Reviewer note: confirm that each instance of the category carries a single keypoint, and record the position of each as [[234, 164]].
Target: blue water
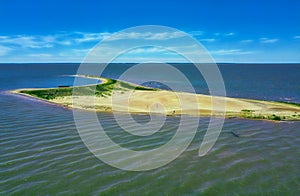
[[42, 154]]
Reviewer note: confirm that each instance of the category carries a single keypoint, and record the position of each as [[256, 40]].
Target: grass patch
[[274, 117], [290, 103], [251, 115], [247, 111], [102, 90], [49, 93]]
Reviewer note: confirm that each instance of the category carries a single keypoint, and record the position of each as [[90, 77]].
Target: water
[[42, 153]]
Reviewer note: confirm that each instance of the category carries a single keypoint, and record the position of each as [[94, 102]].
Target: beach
[[127, 97]]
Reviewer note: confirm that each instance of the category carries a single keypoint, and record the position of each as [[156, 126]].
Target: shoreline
[[124, 97]]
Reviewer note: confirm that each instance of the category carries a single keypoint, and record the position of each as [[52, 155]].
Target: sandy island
[[119, 96]]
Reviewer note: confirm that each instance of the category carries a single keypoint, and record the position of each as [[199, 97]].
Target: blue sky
[[232, 31]]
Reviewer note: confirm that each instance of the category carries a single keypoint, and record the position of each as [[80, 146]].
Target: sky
[[233, 31]]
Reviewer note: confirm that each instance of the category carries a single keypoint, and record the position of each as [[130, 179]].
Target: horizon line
[[150, 62]]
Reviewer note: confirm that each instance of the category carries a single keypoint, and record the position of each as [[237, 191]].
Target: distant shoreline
[[119, 96], [219, 63]]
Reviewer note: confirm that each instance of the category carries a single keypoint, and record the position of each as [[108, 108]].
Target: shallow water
[[42, 153]]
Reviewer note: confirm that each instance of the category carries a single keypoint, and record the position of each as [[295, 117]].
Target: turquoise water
[[41, 152]]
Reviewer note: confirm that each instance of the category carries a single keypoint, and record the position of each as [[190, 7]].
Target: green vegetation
[[250, 114], [248, 111], [274, 117], [49, 93], [245, 113], [263, 117], [102, 90], [135, 87], [290, 103]]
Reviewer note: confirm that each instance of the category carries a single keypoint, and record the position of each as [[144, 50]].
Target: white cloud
[[94, 37], [4, 50], [230, 52], [267, 40], [47, 38], [147, 35], [224, 34], [91, 37], [74, 46], [66, 43], [247, 41], [147, 50], [44, 41], [229, 34], [3, 37], [40, 55], [207, 40], [27, 41], [75, 39], [196, 33]]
